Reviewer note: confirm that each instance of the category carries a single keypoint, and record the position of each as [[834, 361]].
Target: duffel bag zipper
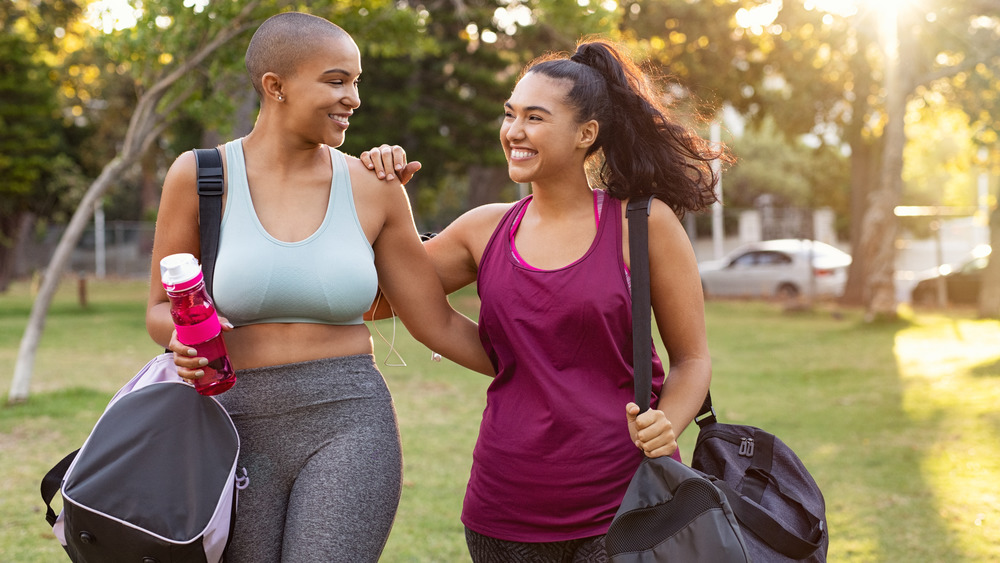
[[746, 444]]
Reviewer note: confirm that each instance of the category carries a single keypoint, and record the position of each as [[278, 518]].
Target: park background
[[851, 107]]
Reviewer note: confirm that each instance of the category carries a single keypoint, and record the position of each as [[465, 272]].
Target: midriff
[[270, 344]]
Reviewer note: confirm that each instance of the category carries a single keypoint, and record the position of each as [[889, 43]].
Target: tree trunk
[[989, 290], [149, 194], [148, 121], [10, 237], [878, 229], [486, 183], [864, 176], [50, 281]]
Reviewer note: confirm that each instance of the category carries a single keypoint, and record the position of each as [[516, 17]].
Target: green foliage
[[695, 46], [793, 173], [442, 100], [938, 167], [28, 119], [35, 171]]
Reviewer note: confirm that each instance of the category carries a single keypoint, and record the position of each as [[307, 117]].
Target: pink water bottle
[[197, 322]]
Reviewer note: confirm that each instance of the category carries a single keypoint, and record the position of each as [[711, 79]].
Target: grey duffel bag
[[156, 479], [673, 513]]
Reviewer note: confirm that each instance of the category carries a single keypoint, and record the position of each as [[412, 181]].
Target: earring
[[281, 98]]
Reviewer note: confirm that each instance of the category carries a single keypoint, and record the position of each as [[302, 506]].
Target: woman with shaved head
[[307, 236]]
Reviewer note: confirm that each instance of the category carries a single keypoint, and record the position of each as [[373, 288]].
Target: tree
[[32, 138], [179, 56], [444, 101], [836, 75], [794, 173]]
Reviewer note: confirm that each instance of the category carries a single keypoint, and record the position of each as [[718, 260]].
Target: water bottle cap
[[179, 269]]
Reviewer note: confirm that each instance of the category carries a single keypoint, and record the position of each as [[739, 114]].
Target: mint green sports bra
[[327, 278]]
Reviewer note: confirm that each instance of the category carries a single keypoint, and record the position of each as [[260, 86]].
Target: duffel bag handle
[[758, 521], [51, 483]]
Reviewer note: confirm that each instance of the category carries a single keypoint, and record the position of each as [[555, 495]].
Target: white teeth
[[521, 154], [339, 119]]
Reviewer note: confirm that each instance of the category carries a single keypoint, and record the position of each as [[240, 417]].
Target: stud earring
[[281, 98]]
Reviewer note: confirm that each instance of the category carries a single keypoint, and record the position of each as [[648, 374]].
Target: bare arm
[[176, 231], [409, 280]]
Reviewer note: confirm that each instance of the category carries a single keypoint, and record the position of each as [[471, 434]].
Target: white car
[[777, 268]]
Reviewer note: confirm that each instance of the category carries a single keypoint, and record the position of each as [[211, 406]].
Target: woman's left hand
[[387, 160], [651, 431]]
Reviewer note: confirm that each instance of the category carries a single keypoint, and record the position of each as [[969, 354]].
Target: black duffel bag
[[778, 504]]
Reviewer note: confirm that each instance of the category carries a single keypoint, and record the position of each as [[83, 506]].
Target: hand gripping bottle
[[197, 323]]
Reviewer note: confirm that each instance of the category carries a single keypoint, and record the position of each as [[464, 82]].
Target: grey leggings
[[321, 447]]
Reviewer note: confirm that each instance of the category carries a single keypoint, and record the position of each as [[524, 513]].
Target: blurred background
[[867, 125]]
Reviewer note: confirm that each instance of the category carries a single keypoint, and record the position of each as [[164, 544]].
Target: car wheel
[[787, 292]]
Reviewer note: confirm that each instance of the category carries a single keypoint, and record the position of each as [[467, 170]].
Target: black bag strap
[[51, 483], [748, 514], [637, 213], [706, 415], [210, 184], [754, 518]]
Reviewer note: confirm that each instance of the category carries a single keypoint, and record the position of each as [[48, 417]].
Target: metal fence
[[121, 249]]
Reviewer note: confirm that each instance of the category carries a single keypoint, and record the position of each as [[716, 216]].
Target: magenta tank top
[[554, 458]]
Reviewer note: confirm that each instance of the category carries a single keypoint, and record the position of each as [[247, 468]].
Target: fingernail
[[199, 373], [203, 362], [399, 167], [230, 325], [192, 352], [391, 177], [381, 175]]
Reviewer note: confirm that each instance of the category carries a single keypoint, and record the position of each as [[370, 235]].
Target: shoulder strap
[[637, 213], [210, 182]]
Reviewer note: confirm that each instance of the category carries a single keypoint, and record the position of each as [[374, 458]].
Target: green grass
[[897, 422]]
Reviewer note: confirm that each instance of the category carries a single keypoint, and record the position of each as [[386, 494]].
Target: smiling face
[[322, 93], [540, 134]]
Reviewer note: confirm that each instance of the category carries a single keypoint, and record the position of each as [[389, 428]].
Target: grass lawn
[[897, 422]]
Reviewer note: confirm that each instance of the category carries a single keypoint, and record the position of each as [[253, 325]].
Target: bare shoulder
[[484, 217], [475, 227], [181, 182], [663, 222], [367, 183]]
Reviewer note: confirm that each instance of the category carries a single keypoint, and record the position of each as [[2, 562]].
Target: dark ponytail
[[644, 151]]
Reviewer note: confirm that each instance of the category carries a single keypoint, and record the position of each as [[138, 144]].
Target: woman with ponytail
[[560, 436]]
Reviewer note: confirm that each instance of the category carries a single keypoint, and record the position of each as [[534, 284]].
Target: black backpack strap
[[51, 484], [210, 185], [637, 213], [706, 415]]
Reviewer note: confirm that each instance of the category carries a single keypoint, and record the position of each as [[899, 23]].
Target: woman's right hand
[[386, 160], [186, 358]]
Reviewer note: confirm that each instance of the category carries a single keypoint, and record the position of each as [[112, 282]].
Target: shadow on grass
[[988, 369]]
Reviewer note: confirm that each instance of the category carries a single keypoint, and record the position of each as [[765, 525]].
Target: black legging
[[485, 549]]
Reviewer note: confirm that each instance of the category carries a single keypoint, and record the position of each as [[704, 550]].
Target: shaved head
[[283, 41]]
